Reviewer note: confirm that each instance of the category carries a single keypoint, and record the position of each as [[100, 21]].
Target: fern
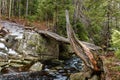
[[116, 42]]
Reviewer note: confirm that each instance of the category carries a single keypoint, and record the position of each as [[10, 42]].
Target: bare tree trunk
[[93, 63], [56, 18], [26, 8], [108, 35], [19, 11], [0, 8], [4, 7], [10, 8], [107, 29], [79, 16]]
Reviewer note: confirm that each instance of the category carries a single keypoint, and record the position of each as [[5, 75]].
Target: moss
[[116, 68], [31, 43], [40, 49], [77, 76]]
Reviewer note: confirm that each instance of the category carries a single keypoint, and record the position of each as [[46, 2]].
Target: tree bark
[[19, 11], [10, 8], [27, 8], [93, 62], [65, 40], [0, 8]]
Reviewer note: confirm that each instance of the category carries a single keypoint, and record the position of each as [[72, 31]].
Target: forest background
[[95, 21]]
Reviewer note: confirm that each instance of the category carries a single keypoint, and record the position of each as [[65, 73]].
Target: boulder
[[81, 76], [36, 67], [3, 31], [36, 45], [10, 41], [76, 76]]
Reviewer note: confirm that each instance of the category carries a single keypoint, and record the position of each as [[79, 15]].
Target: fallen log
[[66, 40], [29, 28], [94, 66]]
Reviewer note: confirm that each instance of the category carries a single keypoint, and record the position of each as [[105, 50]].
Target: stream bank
[[26, 52]]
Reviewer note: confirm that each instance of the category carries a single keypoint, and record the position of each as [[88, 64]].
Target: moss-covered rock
[[77, 76], [35, 44], [81, 76], [36, 67]]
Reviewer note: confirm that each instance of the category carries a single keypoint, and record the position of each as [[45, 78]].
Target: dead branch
[[65, 40], [92, 61]]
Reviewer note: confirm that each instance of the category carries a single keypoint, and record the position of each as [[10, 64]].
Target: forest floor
[[113, 66], [27, 23], [112, 63]]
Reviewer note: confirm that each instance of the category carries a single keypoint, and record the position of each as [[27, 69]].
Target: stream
[[50, 71]]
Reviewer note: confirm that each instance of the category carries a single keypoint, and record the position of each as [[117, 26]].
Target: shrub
[[116, 42]]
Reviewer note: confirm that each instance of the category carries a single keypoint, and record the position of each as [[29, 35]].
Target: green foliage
[[116, 42], [116, 68], [96, 12], [59, 14], [80, 31], [32, 18], [31, 43], [45, 9], [53, 12]]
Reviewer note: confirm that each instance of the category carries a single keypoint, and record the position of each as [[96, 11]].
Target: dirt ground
[[27, 23], [113, 65]]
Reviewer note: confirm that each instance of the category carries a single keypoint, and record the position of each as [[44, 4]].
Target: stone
[[3, 31], [34, 44], [3, 56], [10, 41], [77, 76], [36, 67], [81, 76]]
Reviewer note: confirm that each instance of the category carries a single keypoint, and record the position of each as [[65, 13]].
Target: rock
[[3, 63], [3, 48], [12, 52], [36, 67], [10, 41], [3, 31], [77, 76], [34, 44], [21, 52], [3, 56], [81, 76]]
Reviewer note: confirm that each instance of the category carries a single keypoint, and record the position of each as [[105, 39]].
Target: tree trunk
[[93, 62], [10, 8], [65, 40], [79, 16], [19, 11], [4, 5], [27, 8], [0, 8]]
